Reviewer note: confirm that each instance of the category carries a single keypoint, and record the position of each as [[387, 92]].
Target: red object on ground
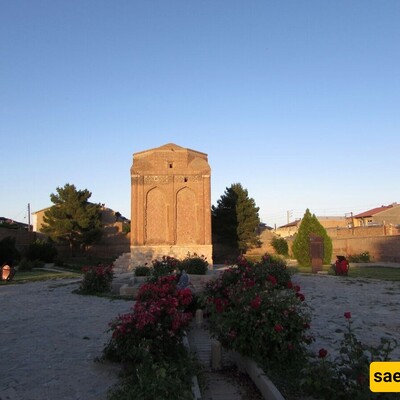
[[5, 272], [342, 267]]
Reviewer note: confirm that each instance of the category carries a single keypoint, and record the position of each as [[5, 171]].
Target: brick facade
[[380, 248], [170, 204]]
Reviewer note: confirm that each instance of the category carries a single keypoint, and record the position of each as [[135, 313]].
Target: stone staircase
[[122, 264], [124, 282]]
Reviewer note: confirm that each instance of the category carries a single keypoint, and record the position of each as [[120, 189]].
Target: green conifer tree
[[235, 218], [301, 244], [72, 219]]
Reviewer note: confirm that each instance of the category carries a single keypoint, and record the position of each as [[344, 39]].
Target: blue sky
[[299, 101]]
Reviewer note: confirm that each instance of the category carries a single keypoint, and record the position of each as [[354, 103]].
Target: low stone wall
[[140, 255], [266, 387]]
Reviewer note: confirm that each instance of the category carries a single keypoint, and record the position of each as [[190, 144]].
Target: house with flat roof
[[327, 222]]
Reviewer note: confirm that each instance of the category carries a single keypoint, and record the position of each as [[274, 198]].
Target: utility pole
[[29, 217]]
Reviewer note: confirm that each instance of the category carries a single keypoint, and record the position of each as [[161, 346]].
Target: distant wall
[[111, 245], [102, 251], [381, 248], [364, 231], [22, 238]]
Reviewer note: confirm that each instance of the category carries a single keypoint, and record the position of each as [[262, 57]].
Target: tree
[[8, 252], [301, 244], [43, 250], [280, 245], [72, 219], [235, 218]]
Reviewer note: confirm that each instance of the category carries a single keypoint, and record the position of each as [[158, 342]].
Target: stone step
[[128, 290], [122, 263]]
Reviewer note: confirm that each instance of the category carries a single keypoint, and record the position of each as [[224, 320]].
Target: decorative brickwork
[[170, 204]]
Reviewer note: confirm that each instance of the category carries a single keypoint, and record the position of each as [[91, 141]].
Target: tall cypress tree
[[72, 219], [235, 218], [301, 244]]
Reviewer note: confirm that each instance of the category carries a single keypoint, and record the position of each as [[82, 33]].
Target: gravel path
[[49, 340], [374, 307], [50, 337]]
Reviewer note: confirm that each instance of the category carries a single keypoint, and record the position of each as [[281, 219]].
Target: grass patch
[[77, 263], [308, 270], [40, 275], [375, 272]]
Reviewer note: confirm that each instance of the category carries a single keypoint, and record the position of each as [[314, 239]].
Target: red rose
[[322, 353], [347, 314], [256, 302], [272, 279], [278, 328]]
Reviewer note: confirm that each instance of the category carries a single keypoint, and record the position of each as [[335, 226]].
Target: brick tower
[[170, 204]]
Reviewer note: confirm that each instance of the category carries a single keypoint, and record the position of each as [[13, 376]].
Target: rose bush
[[96, 279], [149, 341], [346, 376], [167, 265], [194, 264], [156, 324], [256, 310]]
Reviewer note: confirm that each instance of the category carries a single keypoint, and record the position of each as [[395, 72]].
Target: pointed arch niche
[[156, 221], [186, 217]]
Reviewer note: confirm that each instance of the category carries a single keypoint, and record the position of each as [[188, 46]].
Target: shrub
[[248, 299], [8, 252], [41, 250], [142, 270], [126, 228], [96, 279], [346, 377], [301, 244], [28, 265], [360, 258], [165, 266], [169, 379], [59, 262], [194, 264], [156, 325], [275, 266], [149, 341], [25, 265], [280, 246]]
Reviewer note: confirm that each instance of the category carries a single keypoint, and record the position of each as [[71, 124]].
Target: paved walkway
[[217, 386], [50, 338]]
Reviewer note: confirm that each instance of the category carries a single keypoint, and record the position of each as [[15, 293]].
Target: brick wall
[[23, 238], [101, 251], [364, 231], [381, 248]]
